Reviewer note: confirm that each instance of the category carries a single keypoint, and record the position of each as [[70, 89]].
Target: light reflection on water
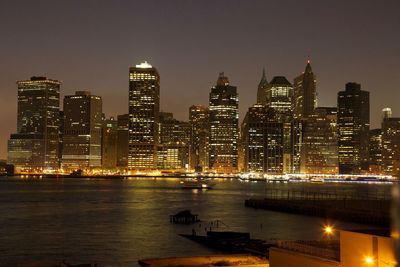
[[117, 222]]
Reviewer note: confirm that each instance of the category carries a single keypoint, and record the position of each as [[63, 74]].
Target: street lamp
[[369, 261], [328, 230]]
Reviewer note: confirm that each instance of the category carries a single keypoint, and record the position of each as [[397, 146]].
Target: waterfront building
[[109, 143], [82, 131], [173, 148], [355, 248], [199, 137], [223, 123], [144, 108], [391, 146], [262, 89], [122, 140], [319, 145], [304, 93], [375, 151], [279, 97], [262, 140], [353, 126], [35, 145]]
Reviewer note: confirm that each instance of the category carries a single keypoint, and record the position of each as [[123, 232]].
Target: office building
[[391, 146], [199, 137], [224, 119], [304, 93], [353, 125], [319, 146], [109, 143], [35, 145], [144, 108], [122, 140], [375, 151], [173, 148], [279, 97], [262, 140], [82, 131]]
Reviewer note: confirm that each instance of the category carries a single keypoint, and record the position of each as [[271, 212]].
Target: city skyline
[[105, 49]]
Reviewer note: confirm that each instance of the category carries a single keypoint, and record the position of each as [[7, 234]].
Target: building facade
[[82, 131], [375, 151], [391, 146], [223, 123], [262, 140], [279, 97], [353, 126], [319, 146], [304, 93], [122, 140], [173, 148], [36, 143], [199, 137], [109, 141], [144, 108]]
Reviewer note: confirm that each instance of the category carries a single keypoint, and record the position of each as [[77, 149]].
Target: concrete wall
[[355, 247], [285, 258]]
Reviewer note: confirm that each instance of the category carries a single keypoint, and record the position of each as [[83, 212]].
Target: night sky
[[89, 45]]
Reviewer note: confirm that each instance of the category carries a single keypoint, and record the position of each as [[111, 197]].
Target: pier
[[371, 208]]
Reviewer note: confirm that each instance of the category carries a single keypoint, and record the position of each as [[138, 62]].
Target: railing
[[306, 248], [324, 195]]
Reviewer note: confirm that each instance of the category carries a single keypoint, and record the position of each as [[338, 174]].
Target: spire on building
[[308, 67], [263, 81]]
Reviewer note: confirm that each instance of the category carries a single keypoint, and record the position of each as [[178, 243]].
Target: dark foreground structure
[[372, 210]]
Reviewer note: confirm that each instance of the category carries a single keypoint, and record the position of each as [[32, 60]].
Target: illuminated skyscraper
[[262, 139], [35, 145], [199, 135], [224, 119], [173, 148], [82, 131], [122, 140], [391, 146], [319, 146], [109, 143], [304, 93], [144, 108], [375, 151], [279, 97], [353, 125], [262, 89]]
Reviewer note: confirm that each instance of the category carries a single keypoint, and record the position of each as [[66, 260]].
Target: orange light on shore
[[368, 260], [328, 230]]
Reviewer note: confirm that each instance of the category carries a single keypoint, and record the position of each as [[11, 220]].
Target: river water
[[116, 222]]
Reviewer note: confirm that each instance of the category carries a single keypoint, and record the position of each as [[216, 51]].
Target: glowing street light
[[328, 230], [368, 260]]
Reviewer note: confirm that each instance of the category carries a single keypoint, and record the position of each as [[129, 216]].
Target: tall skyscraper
[[319, 146], [35, 145], [391, 145], [82, 131], [279, 97], [262, 89], [353, 125], [304, 93], [224, 119], [262, 139], [144, 108], [375, 151], [109, 143], [122, 140], [173, 148], [199, 137]]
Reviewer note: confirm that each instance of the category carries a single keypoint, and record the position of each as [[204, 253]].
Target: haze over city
[[91, 45]]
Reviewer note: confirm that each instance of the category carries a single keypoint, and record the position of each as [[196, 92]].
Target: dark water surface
[[117, 222]]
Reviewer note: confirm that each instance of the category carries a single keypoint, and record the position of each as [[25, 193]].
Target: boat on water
[[196, 184]]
